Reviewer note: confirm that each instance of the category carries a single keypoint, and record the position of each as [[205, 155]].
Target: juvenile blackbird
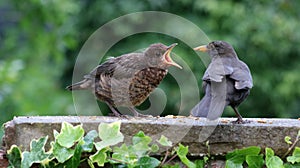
[[227, 81], [128, 80]]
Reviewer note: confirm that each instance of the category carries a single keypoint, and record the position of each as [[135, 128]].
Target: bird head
[[217, 48], [158, 55]]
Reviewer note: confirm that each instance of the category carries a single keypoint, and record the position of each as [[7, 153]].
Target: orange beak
[[167, 57], [202, 48]]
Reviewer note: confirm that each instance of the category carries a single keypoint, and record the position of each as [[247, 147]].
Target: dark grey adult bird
[[226, 81], [128, 80]]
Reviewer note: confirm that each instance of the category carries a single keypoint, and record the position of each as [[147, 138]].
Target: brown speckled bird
[[128, 80], [227, 81]]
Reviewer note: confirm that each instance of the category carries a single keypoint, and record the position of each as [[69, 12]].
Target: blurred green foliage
[[40, 39]]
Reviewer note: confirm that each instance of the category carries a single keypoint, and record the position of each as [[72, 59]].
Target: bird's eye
[[157, 54]]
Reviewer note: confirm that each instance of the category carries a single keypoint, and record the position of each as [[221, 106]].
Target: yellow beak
[[202, 48]]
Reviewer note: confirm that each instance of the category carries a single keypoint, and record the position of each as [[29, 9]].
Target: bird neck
[[227, 55]]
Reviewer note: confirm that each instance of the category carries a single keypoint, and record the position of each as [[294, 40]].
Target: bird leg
[[239, 117], [137, 114], [115, 111]]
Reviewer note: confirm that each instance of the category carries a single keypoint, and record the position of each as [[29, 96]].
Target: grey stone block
[[222, 135]]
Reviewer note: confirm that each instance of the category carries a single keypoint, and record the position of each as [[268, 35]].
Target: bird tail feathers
[[202, 108], [209, 107]]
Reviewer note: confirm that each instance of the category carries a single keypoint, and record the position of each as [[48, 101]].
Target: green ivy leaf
[[140, 137], [205, 159], [55, 134], [199, 163], [75, 160], [182, 151], [91, 164], [148, 162], [255, 161], [61, 153], [14, 156], [88, 141], [124, 154], [172, 166], [269, 153], [51, 165], [295, 158], [235, 162], [252, 150], [164, 141], [110, 135], [154, 148], [69, 134], [141, 143], [37, 152], [237, 157], [272, 161], [289, 165], [287, 139], [99, 157]]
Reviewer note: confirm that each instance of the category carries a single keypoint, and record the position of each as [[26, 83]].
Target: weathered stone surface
[[223, 136]]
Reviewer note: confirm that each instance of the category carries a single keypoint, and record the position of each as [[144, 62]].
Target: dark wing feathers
[[242, 76], [237, 71], [217, 70]]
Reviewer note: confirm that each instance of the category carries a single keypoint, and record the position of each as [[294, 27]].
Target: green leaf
[[252, 150], [55, 133], [140, 137], [272, 161], [37, 152], [235, 161], [164, 141], [199, 163], [141, 143], [255, 161], [171, 166], [287, 139], [269, 153], [91, 164], [237, 157], [124, 154], [69, 134], [61, 153], [99, 157], [88, 141], [75, 160], [289, 165], [295, 158], [14, 156], [205, 159], [182, 151], [110, 135], [154, 148], [148, 162]]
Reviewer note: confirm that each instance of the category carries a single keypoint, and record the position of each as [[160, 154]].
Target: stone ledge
[[223, 136]]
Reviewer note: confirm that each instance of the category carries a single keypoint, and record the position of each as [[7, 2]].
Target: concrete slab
[[223, 136]]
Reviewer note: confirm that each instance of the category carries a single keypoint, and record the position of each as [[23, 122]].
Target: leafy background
[[40, 39]]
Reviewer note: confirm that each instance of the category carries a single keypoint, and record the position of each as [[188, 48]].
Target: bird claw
[[125, 116], [240, 121], [142, 115]]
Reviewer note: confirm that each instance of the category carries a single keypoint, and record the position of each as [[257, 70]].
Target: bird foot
[[125, 116], [240, 121], [119, 115], [137, 114], [142, 115]]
